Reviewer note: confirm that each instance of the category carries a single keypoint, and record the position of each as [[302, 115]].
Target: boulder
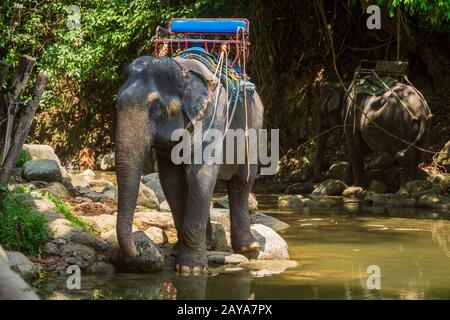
[[443, 159], [101, 223], [353, 192], [222, 257], [22, 265], [164, 206], [42, 170], [418, 186], [321, 202], [78, 254], [61, 227], [377, 187], [152, 181], [271, 222], [156, 235], [219, 239], [79, 181], [400, 201], [101, 268], [149, 259], [44, 152], [330, 187], [291, 201], [434, 201], [145, 219], [221, 216], [376, 200], [300, 188], [56, 189], [12, 286], [340, 171], [272, 246], [147, 198], [94, 196], [88, 174], [108, 162], [223, 202]]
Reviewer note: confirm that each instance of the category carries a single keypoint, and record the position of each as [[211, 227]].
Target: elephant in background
[[161, 95], [362, 134]]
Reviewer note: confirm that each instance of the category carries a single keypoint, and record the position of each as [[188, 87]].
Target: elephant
[[404, 127], [159, 96]]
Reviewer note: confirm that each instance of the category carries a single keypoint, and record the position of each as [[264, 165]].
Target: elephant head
[[150, 106]]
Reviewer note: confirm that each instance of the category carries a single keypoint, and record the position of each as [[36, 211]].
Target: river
[[334, 249]]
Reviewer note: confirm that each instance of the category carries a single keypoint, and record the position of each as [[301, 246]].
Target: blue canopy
[[207, 25]]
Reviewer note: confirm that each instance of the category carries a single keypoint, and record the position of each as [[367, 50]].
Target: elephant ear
[[198, 92]]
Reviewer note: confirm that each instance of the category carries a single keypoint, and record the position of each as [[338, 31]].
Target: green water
[[333, 248]]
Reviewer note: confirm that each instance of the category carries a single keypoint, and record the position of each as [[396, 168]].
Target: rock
[[52, 249], [101, 223], [221, 257], [443, 159], [61, 228], [108, 162], [152, 181], [353, 192], [78, 254], [271, 222], [221, 216], [44, 152], [291, 201], [164, 206], [145, 219], [381, 161], [156, 235], [91, 194], [321, 202], [43, 170], [57, 189], [400, 201], [300, 187], [100, 183], [88, 174], [109, 195], [219, 240], [223, 202], [434, 201], [44, 205], [88, 239], [100, 267], [12, 286], [377, 187], [418, 186], [262, 268], [149, 259], [93, 209], [272, 246], [79, 181], [340, 171], [22, 265], [330, 187], [376, 200], [147, 198]]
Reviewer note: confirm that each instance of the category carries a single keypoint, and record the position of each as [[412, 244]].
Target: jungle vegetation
[[295, 45]]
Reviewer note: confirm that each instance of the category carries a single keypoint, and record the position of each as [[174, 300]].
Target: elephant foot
[[191, 263], [245, 245]]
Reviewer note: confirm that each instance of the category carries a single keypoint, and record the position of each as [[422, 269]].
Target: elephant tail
[[423, 126]]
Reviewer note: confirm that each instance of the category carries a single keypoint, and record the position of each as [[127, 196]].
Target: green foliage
[[104, 295], [62, 208], [22, 227], [432, 13], [24, 156]]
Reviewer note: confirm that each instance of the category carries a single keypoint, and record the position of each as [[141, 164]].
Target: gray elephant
[[161, 95], [406, 125]]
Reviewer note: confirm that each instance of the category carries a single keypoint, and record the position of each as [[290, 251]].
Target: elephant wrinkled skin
[[157, 98]]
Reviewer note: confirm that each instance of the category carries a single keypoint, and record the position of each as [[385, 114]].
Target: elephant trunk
[[133, 140]]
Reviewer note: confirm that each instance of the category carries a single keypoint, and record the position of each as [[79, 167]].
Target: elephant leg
[[409, 163], [173, 183], [201, 180], [355, 147], [241, 238]]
